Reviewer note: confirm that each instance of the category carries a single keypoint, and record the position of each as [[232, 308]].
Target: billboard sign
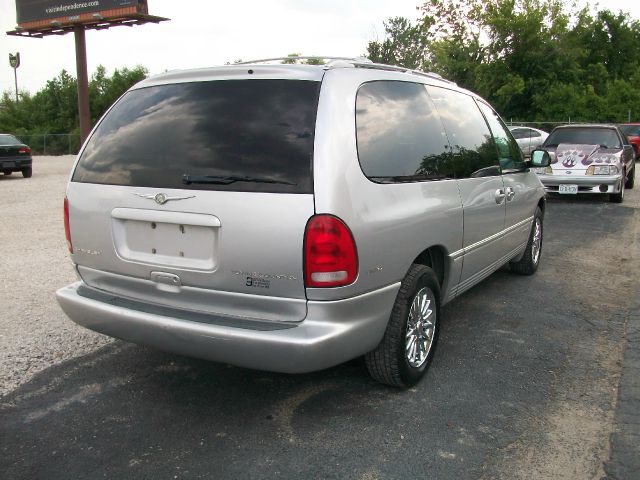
[[34, 10]]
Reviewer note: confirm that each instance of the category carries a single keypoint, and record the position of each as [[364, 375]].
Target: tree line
[[534, 60], [54, 108]]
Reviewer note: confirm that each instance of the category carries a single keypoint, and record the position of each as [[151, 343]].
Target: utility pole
[[14, 61]]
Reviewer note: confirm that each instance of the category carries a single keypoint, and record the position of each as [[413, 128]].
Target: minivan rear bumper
[[332, 333]]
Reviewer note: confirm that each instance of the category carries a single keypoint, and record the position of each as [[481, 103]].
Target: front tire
[[405, 352], [631, 179], [530, 260]]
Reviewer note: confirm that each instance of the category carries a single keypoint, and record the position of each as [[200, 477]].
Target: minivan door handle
[[510, 194], [499, 196]]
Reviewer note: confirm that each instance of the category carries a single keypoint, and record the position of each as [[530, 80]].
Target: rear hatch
[[196, 195]]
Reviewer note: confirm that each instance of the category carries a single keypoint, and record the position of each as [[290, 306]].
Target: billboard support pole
[[83, 83]]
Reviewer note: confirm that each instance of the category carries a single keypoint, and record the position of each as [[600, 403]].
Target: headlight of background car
[[543, 170], [602, 170]]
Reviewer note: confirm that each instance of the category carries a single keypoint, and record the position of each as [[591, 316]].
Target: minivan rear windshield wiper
[[221, 180]]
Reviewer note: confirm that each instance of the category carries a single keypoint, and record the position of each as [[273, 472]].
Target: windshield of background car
[[260, 130], [9, 140], [604, 137], [631, 130]]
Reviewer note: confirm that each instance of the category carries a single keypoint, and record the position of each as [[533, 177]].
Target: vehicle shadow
[[132, 411], [8, 178]]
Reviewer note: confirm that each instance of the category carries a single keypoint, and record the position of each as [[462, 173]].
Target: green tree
[[105, 90], [54, 108], [404, 44], [524, 56]]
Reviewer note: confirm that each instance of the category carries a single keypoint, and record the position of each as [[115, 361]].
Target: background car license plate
[[573, 189], [9, 164]]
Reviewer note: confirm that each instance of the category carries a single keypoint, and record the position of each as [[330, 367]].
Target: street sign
[[14, 60]]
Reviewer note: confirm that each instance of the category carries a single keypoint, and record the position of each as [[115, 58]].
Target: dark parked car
[[15, 156], [632, 131]]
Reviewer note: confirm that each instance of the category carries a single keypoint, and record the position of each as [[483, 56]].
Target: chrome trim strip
[[481, 243], [161, 216], [484, 273]]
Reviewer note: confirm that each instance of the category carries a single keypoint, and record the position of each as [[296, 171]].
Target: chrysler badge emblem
[[161, 198]]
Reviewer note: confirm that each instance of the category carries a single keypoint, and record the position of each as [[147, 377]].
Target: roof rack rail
[[305, 57], [356, 62], [396, 68]]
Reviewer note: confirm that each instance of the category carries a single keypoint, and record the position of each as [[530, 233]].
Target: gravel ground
[[34, 332]]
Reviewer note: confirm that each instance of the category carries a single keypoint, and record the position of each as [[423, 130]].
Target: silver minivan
[[293, 217]]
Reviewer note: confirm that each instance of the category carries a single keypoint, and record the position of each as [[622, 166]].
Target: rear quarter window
[[261, 130], [399, 133]]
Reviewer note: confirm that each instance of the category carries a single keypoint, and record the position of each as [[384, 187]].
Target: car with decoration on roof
[[588, 159]]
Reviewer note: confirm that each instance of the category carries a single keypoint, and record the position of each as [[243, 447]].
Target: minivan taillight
[[330, 254], [67, 231]]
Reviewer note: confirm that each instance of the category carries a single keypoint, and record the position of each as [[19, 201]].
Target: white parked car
[[528, 138]]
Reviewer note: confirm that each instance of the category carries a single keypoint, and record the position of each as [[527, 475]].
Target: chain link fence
[[52, 143], [545, 125]]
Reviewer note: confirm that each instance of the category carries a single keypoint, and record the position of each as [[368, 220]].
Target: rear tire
[[530, 260], [405, 352], [7, 173], [27, 172]]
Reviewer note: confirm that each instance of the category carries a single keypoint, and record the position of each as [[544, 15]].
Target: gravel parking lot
[[528, 382], [34, 333]]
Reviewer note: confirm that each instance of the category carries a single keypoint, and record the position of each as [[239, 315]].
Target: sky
[[205, 33]]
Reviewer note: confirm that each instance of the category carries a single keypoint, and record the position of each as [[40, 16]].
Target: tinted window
[[509, 153], [469, 136], [604, 137], [519, 133], [400, 137], [631, 130], [9, 140], [535, 133], [155, 136]]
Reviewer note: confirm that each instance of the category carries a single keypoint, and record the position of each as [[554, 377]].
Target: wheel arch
[[436, 258]]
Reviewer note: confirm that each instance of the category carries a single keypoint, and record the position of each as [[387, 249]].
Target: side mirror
[[539, 159]]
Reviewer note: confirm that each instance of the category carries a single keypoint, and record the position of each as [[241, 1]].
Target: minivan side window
[[399, 133], [474, 152], [510, 154]]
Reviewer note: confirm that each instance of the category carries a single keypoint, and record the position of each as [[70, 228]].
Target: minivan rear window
[[239, 135]]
